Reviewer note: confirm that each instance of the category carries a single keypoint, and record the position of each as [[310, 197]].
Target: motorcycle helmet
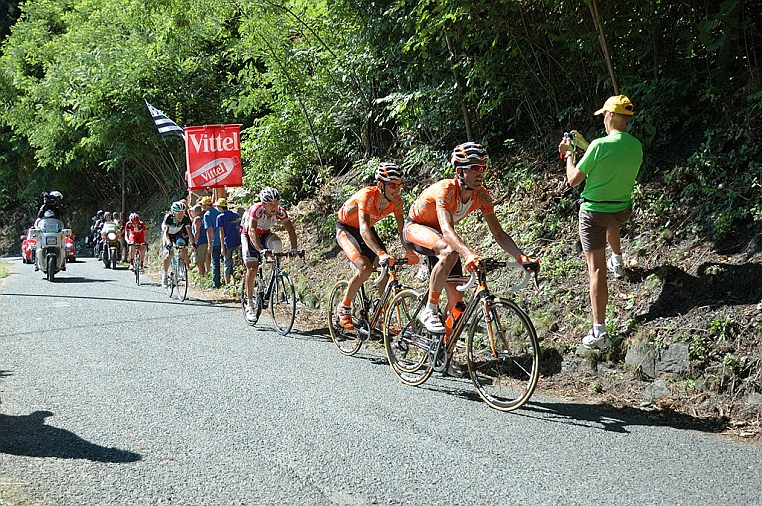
[[269, 194], [178, 207], [56, 195]]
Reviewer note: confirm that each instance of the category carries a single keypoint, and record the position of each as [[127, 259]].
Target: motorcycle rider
[[51, 201], [48, 214], [109, 225], [95, 231]]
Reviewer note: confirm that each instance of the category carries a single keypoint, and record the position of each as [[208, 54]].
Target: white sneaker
[[164, 280], [250, 312], [431, 321], [616, 269], [590, 341]]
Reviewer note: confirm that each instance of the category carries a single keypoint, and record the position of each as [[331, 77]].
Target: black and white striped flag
[[165, 125]]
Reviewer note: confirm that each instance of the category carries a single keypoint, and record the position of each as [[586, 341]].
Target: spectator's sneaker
[[616, 269], [431, 321], [590, 341]]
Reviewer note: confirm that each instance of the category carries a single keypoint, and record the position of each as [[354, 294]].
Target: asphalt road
[[111, 393]]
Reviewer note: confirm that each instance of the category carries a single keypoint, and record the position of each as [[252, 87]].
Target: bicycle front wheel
[[406, 341], [171, 277], [283, 303], [136, 267], [347, 341], [182, 280], [503, 355]]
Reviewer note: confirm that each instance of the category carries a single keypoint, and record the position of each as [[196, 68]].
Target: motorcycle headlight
[[112, 236]]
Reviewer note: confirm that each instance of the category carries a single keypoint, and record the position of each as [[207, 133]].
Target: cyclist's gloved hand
[[472, 262], [412, 258], [293, 252], [264, 252], [530, 264], [384, 259]]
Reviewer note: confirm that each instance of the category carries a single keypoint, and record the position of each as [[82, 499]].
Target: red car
[[27, 249]]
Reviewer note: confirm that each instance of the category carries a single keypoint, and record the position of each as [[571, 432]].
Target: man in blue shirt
[[229, 225], [213, 237]]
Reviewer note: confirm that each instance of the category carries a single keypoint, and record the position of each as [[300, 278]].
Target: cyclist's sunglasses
[[476, 168], [394, 186]]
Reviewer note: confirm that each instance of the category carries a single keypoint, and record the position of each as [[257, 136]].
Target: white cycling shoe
[[431, 321]]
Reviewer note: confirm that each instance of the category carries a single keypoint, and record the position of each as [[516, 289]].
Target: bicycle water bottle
[[454, 316]]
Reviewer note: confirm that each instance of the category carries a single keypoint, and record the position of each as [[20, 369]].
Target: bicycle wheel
[[171, 276], [503, 355], [252, 318], [182, 280], [136, 267], [406, 341], [283, 303], [347, 341]]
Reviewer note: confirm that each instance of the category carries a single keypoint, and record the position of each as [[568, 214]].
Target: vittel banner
[[213, 156]]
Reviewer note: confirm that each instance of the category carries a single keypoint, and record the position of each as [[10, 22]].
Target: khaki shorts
[[593, 225], [201, 253]]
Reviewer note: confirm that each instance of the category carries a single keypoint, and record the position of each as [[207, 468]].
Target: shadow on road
[[27, 435], [616, 419]]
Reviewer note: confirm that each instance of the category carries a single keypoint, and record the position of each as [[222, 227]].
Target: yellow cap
[[221, 202], [207, 201], [618, 104]]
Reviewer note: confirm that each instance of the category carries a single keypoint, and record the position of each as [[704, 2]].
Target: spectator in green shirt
[[609, 168]]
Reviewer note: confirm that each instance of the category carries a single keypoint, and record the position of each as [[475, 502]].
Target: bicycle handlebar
[[385, 269], [490, 264]]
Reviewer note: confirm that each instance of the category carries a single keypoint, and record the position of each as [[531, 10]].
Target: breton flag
[[165, 125]]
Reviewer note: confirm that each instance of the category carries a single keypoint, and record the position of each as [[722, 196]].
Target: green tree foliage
[[319, 86]]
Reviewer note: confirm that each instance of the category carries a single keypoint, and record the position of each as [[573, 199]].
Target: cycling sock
[[347, 302], [433, 299]]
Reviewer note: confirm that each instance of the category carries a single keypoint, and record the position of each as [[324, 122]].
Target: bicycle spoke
[[347, 341], [283, 303], [503, 355], [406, 341]]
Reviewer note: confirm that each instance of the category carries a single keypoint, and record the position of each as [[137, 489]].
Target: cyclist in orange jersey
[[430, 227], [359, 240]]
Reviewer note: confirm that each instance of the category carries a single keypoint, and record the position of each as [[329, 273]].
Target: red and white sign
[[213, 156]]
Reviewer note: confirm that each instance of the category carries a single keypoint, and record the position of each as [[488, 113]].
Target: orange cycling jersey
[[445, 194], [366, 200]]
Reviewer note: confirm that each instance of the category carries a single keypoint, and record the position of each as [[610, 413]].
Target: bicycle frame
[[385, 297]]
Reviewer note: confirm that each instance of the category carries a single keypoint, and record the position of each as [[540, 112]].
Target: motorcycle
[[111, 249], [50, 254], [71, 248]]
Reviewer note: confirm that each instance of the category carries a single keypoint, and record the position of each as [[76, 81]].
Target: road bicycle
[[136, 265], [502, 350], [178, 274], [367, 315], [277, 294]]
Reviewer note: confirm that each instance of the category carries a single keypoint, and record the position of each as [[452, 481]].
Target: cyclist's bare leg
[[363, 272], [167, 258], [251, 275], [142, 254]]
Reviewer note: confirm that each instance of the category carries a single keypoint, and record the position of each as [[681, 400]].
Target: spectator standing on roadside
[[229, 225], [609, 168], [213, 238], [200, 241]]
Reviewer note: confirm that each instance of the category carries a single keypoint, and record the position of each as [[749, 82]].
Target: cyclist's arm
[[291, 233], [501, 236], [400, 225], [189, 231], [366, 231], [165, 234], [449, 235]]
